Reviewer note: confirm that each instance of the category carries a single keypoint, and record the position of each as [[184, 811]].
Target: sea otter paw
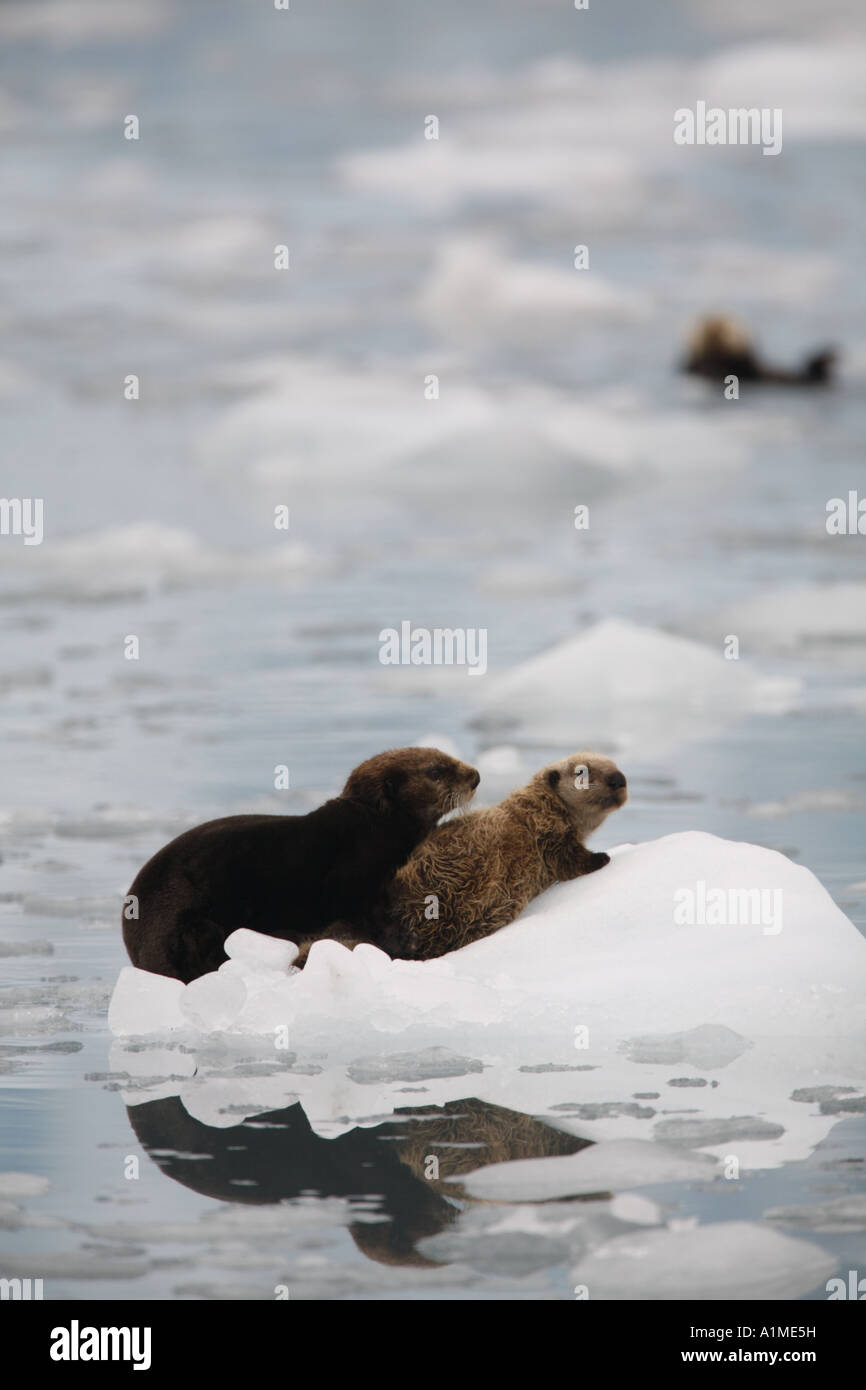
[[597, 861]]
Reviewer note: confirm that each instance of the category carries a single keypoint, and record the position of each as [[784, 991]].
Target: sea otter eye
[[436, 773], [553, 777]]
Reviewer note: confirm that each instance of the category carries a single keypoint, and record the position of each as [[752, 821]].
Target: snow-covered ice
[[614, 683], [604, 1167], [595, 1007], [828, 619], [728, 1260]]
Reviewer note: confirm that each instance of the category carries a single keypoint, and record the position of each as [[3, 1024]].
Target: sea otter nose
[[474, 779], [615, 781]]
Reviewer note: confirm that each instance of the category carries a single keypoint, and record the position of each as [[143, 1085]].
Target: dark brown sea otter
[[289, 876], [720, 346]]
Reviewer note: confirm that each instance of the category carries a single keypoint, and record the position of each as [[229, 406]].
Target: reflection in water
[[276, 1156]]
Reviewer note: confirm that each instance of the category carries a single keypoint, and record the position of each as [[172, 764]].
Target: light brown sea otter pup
[[721, 346], [480, 871]]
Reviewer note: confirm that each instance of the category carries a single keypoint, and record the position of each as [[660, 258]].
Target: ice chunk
[[836, 1215], [727, 1260], [145, 1003], [28, 1021], [830, 799], [38, 947], [214, 1001], [412, 1066], [636, 1210], [701, 1132], [22, 1185], [605, 952], [613, 682], [707, 1047], [829, 618], [514, 1254], [476, 290], [143, 557], [584, 1009], [605, 1167], [260, 952]]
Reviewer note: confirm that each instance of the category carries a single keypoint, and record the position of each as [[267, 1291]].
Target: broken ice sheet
[[731, 1260]]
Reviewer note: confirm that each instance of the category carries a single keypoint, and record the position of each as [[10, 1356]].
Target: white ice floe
[[476, 290], [317, 425], [595, 1008], [818, 86], [826, 799], [729, 1260], [827, 619], [587, 137], [603, 1167], [737, 273], [22, 1185], [87, 22], [317, 422], [144, 557], [634, 689]]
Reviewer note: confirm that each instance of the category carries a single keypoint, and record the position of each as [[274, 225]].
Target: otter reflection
[[276, 1156]]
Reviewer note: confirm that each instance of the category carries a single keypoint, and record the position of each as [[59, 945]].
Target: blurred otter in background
[[721, 346]]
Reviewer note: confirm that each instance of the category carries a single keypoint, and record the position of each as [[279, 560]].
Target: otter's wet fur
[[289, 876], [721, 346], [478, 872]]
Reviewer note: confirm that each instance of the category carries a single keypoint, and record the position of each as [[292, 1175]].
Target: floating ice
[[837, 1214], [830, 619], [22, 1185], [613, 682], [473, 439], [28, 1021], [604, 950], [475, 290], [594, 1008], [214, 1001], [711, 1045], [729, 1260], [829, 799], [605, 1167], [818, 85], [141, 558], [145, 1003], [569, 134], [635, 1210], [37, 947], [88, 22], [697, 1133], [260, 953], [413, 1066]]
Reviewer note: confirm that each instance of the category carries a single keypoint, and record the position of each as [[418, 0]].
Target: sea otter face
[[590, 785], [423, 783]]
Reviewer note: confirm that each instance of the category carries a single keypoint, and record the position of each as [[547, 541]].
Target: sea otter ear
[[553, 777]]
